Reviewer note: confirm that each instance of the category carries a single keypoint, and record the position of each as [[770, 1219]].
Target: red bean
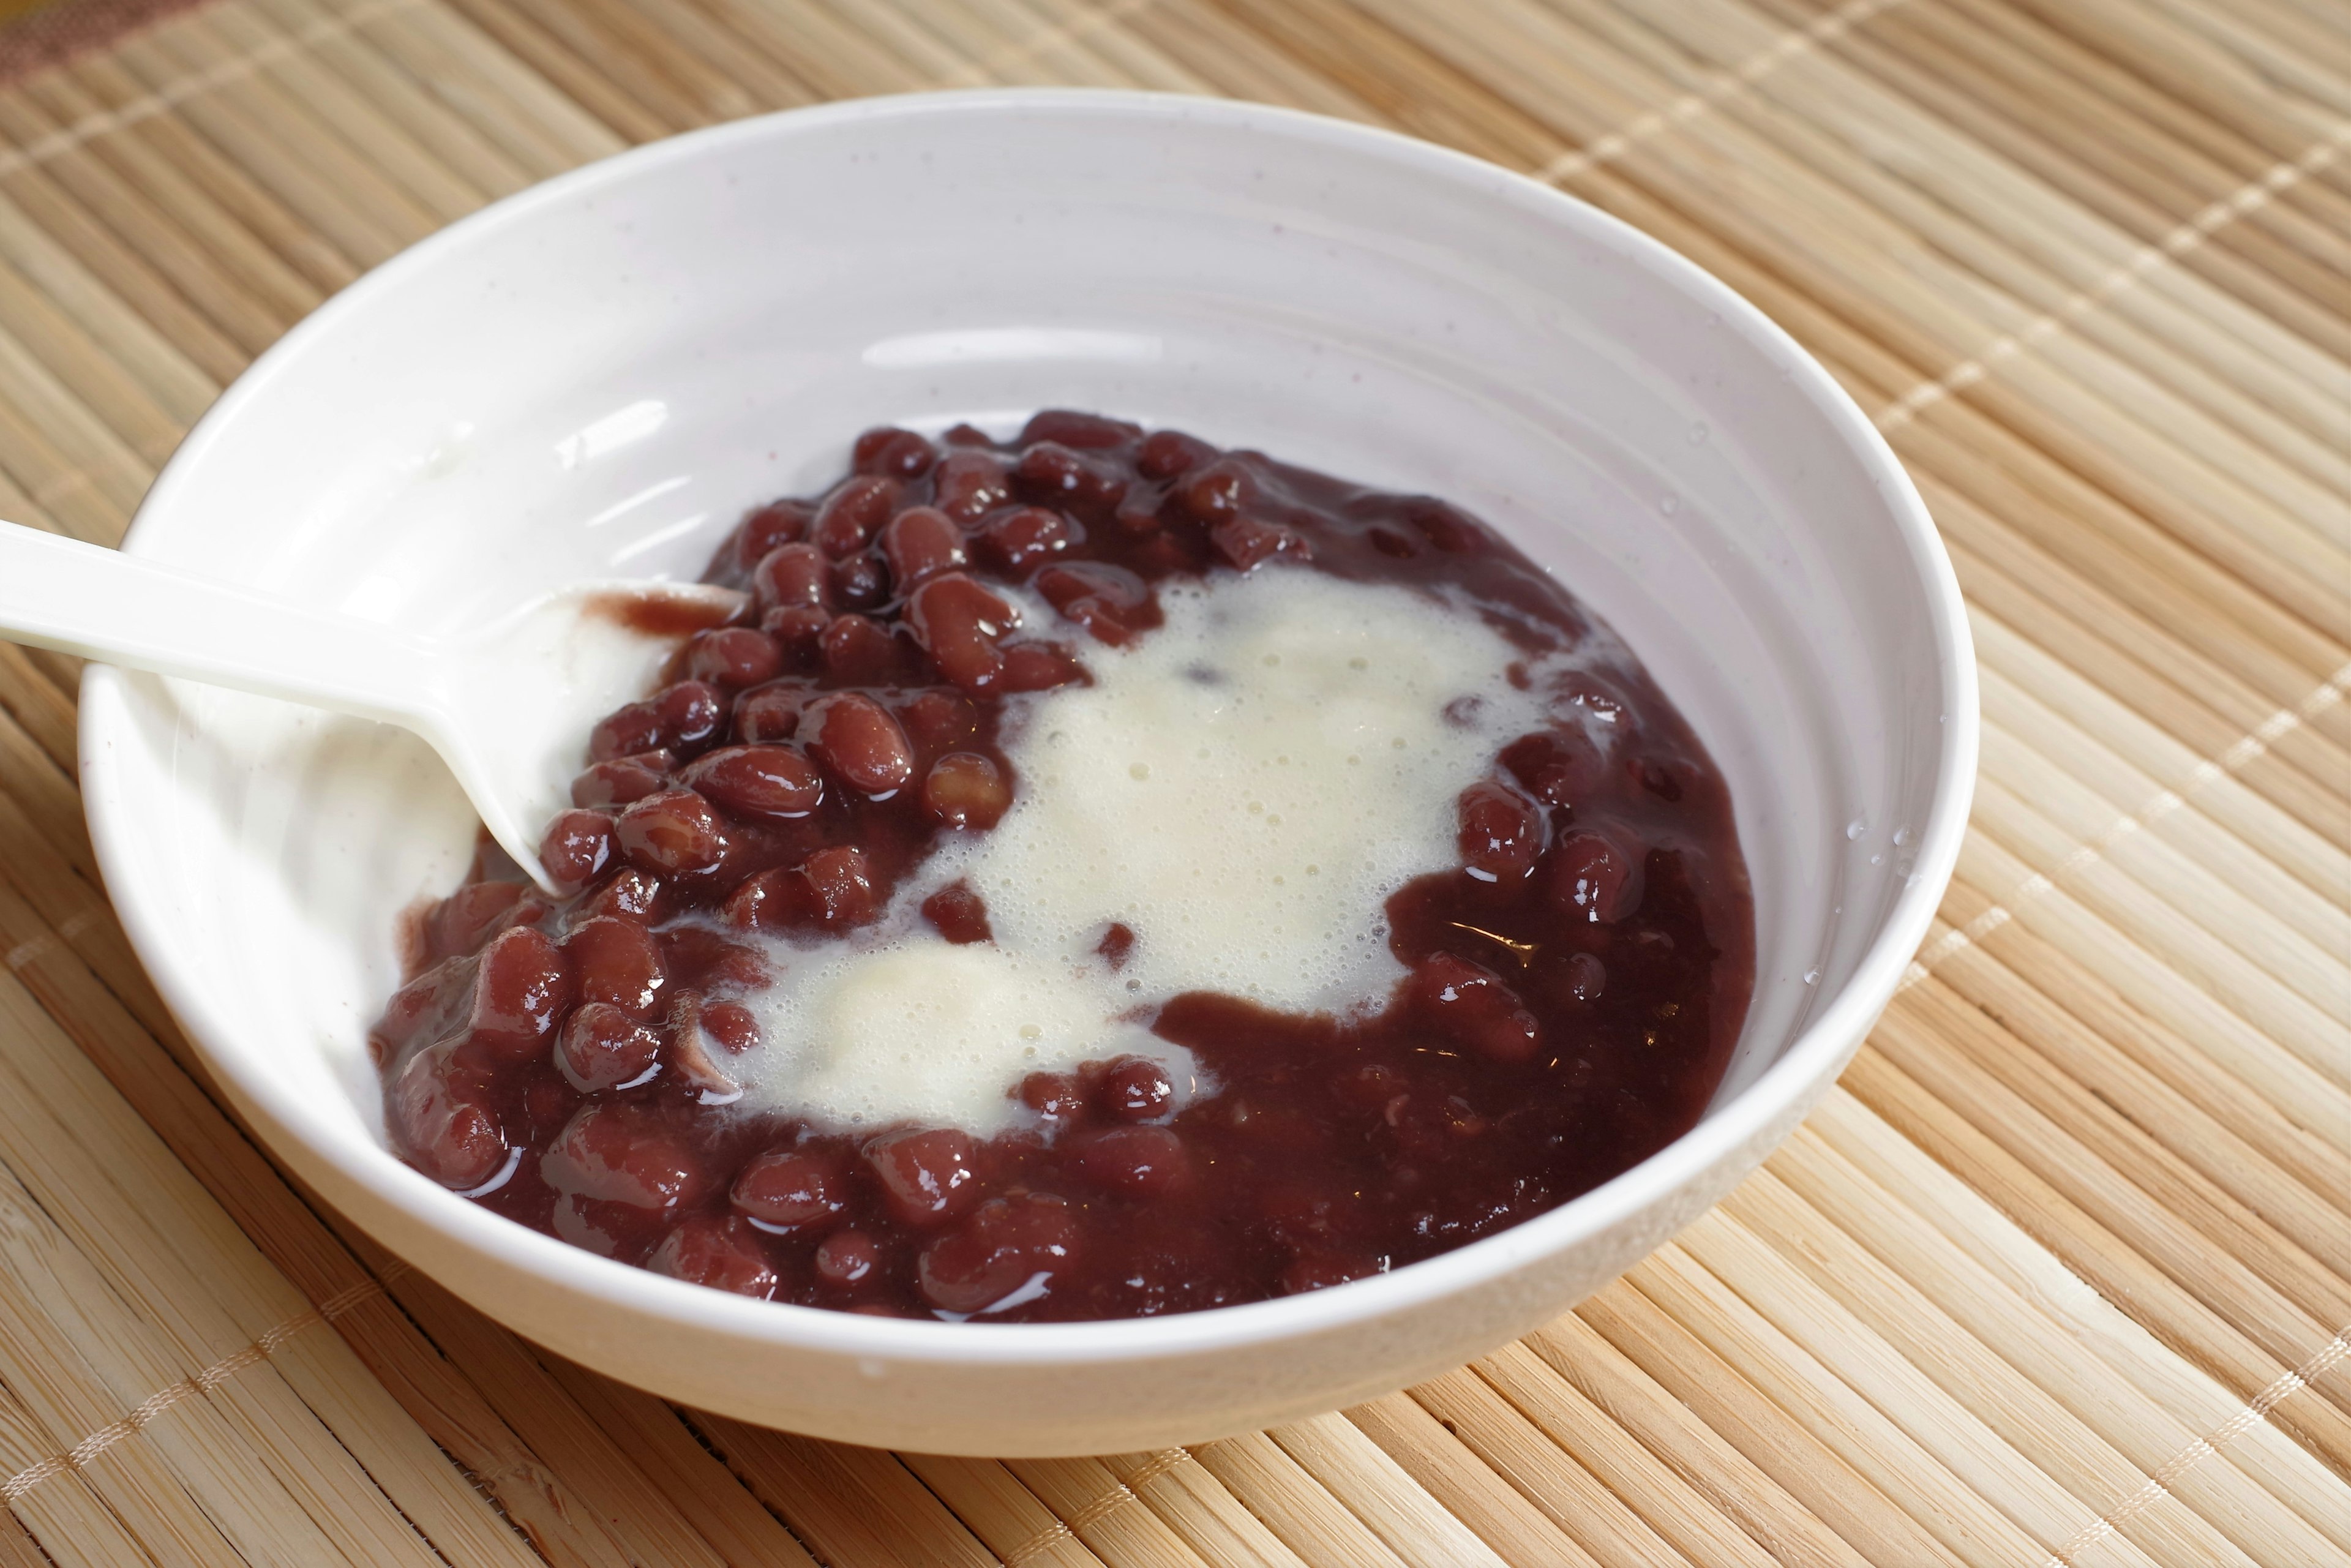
[[857, 650], [629, 894], [732, 657], [967, 485], [758, 780], [778, 523], [1088, 431], [576, 846], [958, 623], [696, 955], [860, 742], [1117, 943], [626, 732], [1165, 453], [439, 1113], [717, 1250], [1501, 832], [796, 629], [1587, 976], [425, 1008], [846, 1259], [615, 962], [462, 922], [768, 902], [1142, 1161], [1135, 1089], [1055, 1097], [792, 575], [1561, 766], [1216, 491], [521, 993], [672, 833], [768, 713], [939, 721], [832, 888], [613, 1151], [687, 1051], [1109, 601], [1249, 543], [861, 581], [921, 542], [1018, 539], [958, 913], [690, 713], [1006, 1246], [1447, 528], [965, 789], [601, 1047], [1591, 876], [841, 888], [1051, 475], [853, 513], [1470, 1005], [731, 1025], [1039, 666], [622, 779], [928, 1176], [1658, 776], [893, 452], [784, 1189]]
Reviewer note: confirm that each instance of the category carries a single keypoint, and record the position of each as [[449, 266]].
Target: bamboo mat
[[2060, 1273]]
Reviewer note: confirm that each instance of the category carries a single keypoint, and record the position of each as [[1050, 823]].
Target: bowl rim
[[1819, 1049]]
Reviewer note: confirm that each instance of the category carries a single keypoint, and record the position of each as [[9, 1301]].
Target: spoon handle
[[102, 604]]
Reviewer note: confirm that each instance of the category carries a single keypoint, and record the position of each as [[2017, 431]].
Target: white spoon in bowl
[[508, 708]]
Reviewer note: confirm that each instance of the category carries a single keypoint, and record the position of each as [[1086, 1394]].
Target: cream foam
[[1243, 788]]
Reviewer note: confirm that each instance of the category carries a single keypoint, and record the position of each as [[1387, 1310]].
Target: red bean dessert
[[1097, 876]]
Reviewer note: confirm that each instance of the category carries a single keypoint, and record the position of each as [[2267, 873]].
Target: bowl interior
[[598, 377]]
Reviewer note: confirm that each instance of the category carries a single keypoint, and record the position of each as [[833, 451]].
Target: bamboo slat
[[2061, 1273]]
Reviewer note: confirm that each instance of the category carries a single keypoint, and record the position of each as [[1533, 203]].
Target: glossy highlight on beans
[[1571, 988]]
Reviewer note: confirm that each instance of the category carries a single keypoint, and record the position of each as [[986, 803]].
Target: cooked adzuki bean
[[860, 741], [615, 961], [758, 780], [785, 1189], [1008, 1243], [622, 779], [922, 542], [895, 454], [672, 832], [853, 513], [603, 1046], [1501, 832], [791, 576], [1135, 1089], [717, 1250], [966, 789], [778, 523], [1570, 989], [925, 1175], [732, 657]]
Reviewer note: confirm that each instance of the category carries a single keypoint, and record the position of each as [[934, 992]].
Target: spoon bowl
[[504, 705]]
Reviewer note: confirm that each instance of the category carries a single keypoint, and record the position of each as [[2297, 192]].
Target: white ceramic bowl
[[596, 376]]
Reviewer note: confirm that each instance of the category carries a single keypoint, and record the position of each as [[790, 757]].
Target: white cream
[[1243, 788]]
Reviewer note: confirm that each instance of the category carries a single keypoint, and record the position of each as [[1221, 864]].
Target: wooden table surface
[[2062, 1273]]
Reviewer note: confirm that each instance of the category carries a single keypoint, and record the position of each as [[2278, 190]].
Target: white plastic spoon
[[508, 708]]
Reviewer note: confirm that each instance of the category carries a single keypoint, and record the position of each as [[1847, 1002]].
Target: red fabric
[[58, 31]]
